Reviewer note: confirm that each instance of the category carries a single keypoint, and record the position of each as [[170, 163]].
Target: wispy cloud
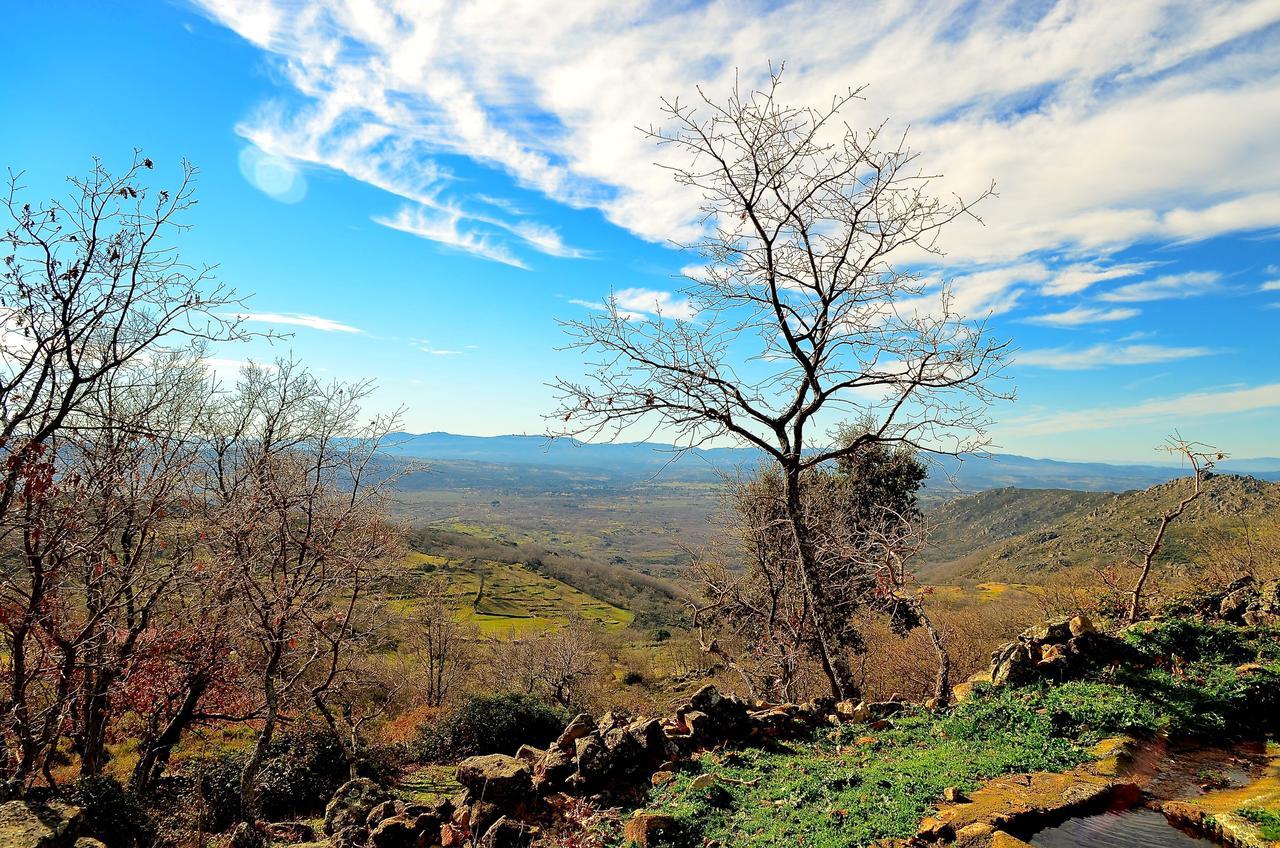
[[449, 227], [1080, 315], [1270, 286], [1152, 99], [1074, 279], [1230, 401], [1102, 355], [297, 319], [636, 304], [1191, 284]]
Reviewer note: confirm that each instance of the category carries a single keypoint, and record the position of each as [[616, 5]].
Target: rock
[[592, 758], [290, 832], [385, 810], [1000, 839], [1235, 604], [352, 803], [89, 842], [529, 754], [246, 835], [646, 829], [496, 778], [395, 832], [581, 726], [976, 835], [506, 833], [702, 781], [1081, 624], [351, 836], [482, 814], [661, 778], [452, 836], [935, 830], [30, 825], [953, 795]]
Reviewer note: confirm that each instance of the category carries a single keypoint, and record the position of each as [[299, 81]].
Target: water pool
[[1136, 828]]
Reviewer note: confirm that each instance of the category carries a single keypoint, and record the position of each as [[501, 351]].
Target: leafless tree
[[441, 647], [297, 504], [1201, 458], [90, 284], [805, 311]]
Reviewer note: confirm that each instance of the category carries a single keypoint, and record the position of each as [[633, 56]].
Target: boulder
[[351, 836], [496, 778], [581, 726], [352, 803], [30, 825], [385, 810], [395, 832], [506, 833], [646, 829]]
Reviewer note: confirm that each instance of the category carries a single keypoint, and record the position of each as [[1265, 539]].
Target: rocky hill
[[1056, 530]]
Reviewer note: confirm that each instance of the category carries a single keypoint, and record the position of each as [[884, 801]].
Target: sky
[[419, 192]]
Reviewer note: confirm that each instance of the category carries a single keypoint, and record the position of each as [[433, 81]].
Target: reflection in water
[[1129, 829]]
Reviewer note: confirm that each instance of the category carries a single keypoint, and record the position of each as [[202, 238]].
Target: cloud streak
[[1106, 354], [1099, 123], [296, 319]]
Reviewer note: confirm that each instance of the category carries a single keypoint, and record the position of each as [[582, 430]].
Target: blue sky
[[418, 195]]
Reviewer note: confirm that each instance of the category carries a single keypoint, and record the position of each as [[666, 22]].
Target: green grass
[[841, 789], [516, 599], [1268, 821], [851, 786]]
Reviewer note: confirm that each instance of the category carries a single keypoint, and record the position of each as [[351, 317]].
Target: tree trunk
[[942, 686], [155, 756], [250, 803], [835, 662]]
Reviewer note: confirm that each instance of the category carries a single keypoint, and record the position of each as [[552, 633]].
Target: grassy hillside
[[514, 598], [1110, 529]]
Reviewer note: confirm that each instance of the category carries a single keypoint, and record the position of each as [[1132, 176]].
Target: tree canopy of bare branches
[[807, 311]]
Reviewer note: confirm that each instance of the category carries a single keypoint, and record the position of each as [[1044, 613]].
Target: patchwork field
[[514, 598]]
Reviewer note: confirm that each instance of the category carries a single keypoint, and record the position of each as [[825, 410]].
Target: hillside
[[1103, 529], [963, 525]]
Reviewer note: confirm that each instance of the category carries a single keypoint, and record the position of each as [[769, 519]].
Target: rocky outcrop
[[1061, 649], [347, 814], [26, 824]]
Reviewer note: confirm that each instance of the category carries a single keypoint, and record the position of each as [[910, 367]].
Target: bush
[[112, 813], [302, 770], [492, 724], [1081, 710], [1268, 821]]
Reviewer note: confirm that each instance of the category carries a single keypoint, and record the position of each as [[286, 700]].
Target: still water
[[1136, 828]]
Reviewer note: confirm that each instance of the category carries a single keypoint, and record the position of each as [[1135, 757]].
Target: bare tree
[[441, 646], [801, 312], [90, 284], [297, 505], [1201, 458]]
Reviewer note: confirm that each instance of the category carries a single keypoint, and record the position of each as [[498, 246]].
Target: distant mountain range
[[478, 461]]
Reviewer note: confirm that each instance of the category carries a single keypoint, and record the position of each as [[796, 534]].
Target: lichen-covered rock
[[581, 726], [351, 805], [31, 825], [496, 778]]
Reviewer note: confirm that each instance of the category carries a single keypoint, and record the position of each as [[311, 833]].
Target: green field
[[515, 599]]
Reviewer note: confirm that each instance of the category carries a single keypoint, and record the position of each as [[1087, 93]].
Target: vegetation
[[1268, 821]]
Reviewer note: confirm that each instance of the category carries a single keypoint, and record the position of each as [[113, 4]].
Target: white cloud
[[1102, 355], [635, 304], [295, 319], [1102, 122], [1074, 279], [1270, 285], [1191, 284], [449, 227], [1081, 315], [1230, 401]]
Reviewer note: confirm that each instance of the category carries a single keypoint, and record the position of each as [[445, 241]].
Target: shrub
[[632, 678], [112, 813], [1090, 711], [492, 724], [1268, 821]]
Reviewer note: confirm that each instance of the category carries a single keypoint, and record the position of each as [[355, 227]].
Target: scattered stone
[[89, 842], [581, 725], [385, 810], [661, 778], [395, 832], [953, 795], [935, 830], [506, 833], [703, 781], [246, 835]]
